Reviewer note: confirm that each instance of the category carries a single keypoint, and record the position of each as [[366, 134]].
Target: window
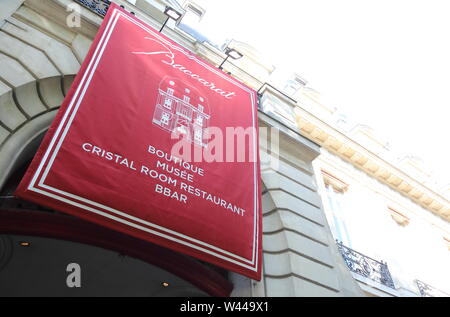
[[198, 135], [335, 190], [193, 14], [294, 84], [335, 215], [184, 112], [165, 119], [168, 103]]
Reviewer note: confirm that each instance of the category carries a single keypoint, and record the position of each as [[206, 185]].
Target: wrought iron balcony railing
[[429, 291], [366, 266], [97, 6]]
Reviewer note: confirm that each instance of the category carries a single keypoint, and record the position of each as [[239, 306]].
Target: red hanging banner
[[156, 143]]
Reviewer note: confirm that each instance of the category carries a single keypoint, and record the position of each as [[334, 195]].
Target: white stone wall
[[415, 250], [39, 57]]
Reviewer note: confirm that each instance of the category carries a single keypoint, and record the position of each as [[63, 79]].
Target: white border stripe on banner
[[72, 102]]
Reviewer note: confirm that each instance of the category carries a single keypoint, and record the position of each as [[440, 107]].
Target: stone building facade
[[40, 54]]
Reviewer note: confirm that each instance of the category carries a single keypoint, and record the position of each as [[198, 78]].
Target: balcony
[[99, 7], [429, 291], [363, 265]]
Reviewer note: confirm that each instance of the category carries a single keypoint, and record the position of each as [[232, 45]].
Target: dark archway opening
[[46, 229]]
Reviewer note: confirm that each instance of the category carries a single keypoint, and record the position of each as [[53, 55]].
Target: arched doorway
[[37, 266]]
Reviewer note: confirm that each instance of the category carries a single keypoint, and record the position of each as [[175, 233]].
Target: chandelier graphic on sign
[[180, 109]]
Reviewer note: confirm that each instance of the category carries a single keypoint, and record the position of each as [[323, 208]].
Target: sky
[[382, 63]]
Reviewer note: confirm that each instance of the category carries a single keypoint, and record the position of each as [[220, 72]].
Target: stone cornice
[[362, 158]]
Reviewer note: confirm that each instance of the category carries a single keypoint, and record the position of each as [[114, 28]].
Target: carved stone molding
[[447, 241], [398, 217], [344, 147], [336, 183]]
